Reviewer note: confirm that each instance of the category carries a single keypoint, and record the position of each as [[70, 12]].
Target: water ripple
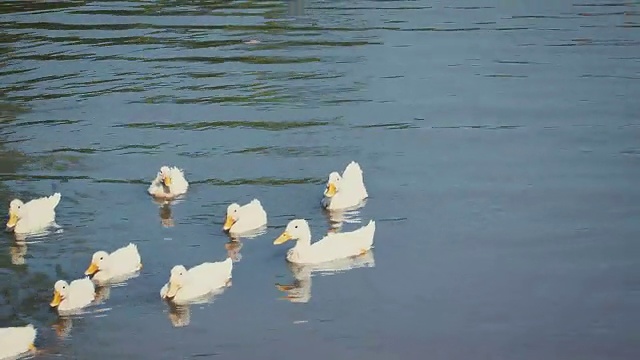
[[98, 150], [263, 99], [266, 181], [207, 125]]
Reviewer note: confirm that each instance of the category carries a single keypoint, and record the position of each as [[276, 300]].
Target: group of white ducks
[[342, 192]]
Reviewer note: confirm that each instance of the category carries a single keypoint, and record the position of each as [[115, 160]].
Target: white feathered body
[[252, 217], [37, 214], [179, 184], [352, 190], [202, 280], [15, 341], [122, 263], [334, 246], [81, 294]]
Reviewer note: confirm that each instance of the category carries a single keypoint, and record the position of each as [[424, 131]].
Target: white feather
[[119, 265], [179, 184], [81, 293], [351, 191], [331, 247], [201, 280], [251, 216], [37, 214], [15, 341]]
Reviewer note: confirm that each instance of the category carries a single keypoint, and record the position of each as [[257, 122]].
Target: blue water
[[499, 142]]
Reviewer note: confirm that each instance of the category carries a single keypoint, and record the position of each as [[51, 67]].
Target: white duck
[[74, 296], [33, 216], [15, 341], [242, 219], [116, 266], [346, 191], [188, 285], [169, 183], [332, 246]]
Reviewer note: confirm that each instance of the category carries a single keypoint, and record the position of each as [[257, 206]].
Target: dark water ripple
[[499, 141]]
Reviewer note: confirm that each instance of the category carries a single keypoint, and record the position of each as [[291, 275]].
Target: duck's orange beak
[[331, 190], [57, 298], [282, 238], [228, 223], [173, 290], [92, 269], [13, 220]]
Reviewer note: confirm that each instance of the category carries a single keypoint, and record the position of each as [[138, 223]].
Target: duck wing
[[353, 180], [337, 245], [43, 203]]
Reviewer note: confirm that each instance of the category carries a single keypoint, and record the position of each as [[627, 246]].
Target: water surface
[[499, 141]]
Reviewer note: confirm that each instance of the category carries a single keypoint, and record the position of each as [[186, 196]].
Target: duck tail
[[371, 230], [55, 200], [229, 263], [255, 202]]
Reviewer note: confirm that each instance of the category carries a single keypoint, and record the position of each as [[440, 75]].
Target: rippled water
[[499, 141]]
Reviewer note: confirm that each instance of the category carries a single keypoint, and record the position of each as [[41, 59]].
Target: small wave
[[207, 125], [104, 150], [289, 151], [391, 126], [270, 181]]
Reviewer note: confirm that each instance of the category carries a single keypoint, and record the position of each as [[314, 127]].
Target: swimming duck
[[118, 265], [188, 285], [74, 296], [16, 341], [33, 216], [332, 246], [169, 183], [242, 219], [346, 191]]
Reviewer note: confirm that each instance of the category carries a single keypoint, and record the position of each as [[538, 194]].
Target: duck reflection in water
[[102, 294], [180, 314], [300, 290], [337, 218], [18, 251], [234, 245], [63, 327], [165, 215], [233, 249]]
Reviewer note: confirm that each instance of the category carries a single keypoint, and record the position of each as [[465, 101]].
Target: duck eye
[[101, 257], [295, 227]]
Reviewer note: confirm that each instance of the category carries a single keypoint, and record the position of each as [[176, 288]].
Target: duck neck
[[304, 241]]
